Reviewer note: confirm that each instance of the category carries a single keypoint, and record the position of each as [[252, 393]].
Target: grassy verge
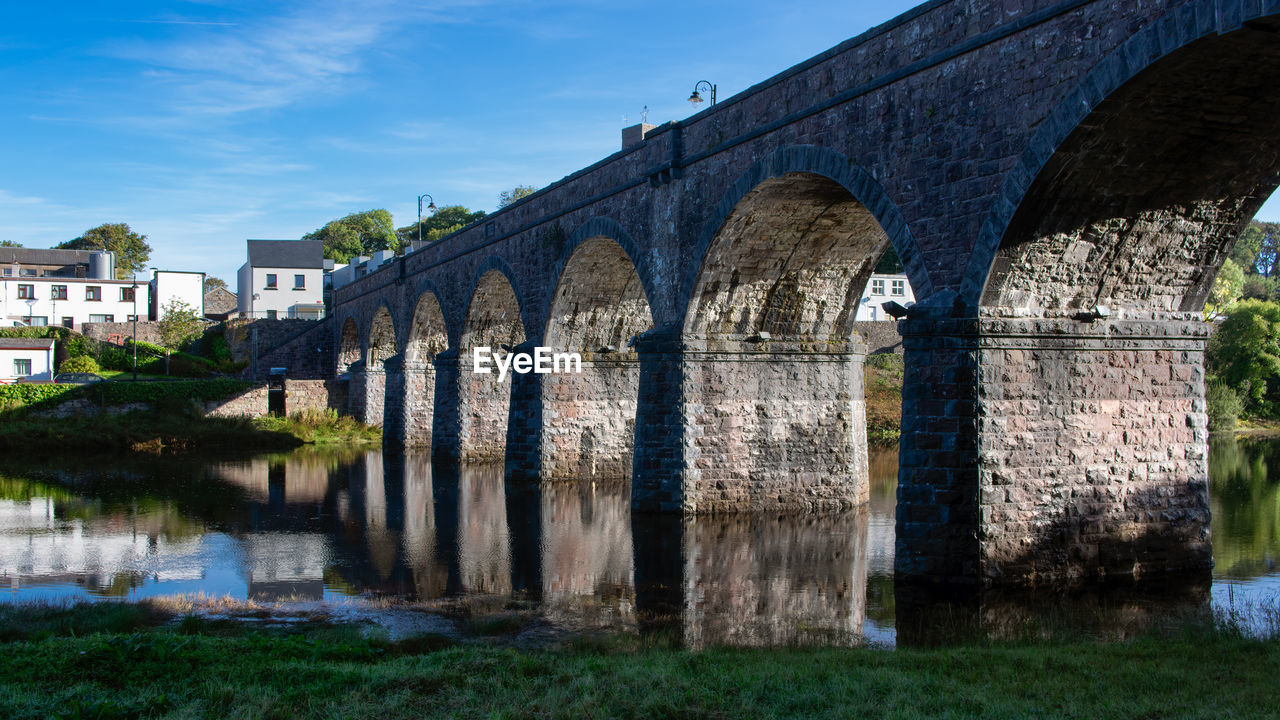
[[148, 432], [884, 397], [321, 427], [117, 664]]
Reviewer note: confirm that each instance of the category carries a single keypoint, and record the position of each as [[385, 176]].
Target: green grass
[[149, 432], [883, 377], [110, 664], [321, 427], [127, 376]]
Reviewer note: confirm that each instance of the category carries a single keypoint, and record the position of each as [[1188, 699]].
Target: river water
[[351, 527]]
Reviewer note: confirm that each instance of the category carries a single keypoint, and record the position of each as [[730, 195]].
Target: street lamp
[[696, 98], [431, 206], [135, 328]]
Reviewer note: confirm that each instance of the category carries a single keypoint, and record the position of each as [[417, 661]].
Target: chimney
[[634, 135]]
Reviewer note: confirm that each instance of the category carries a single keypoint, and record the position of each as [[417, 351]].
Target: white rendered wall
[[869, 307], [76, 306], [40, 361]]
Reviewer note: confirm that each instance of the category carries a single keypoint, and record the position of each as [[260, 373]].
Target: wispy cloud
[[227, 69]]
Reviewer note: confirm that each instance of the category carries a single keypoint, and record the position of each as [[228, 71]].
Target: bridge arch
[[381, 346], [599, 304], [1087, 281], [426, 338], [494, 324], [1182, 91], [772, 370], [349, 346], [838, 170]]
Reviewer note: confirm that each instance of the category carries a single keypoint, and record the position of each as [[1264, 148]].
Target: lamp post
[[696, 98], [135, 328], [431, 206]]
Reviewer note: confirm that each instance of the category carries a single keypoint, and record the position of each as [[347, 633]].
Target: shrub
[[114, 358], [1224, 407], [79, 364]]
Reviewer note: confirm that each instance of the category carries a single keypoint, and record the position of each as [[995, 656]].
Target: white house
[[66, 287], [282, 279], [30, 358], [882, 288], [170, 285]]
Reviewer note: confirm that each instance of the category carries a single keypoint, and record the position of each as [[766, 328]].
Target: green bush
[[891, 362], [79, 364], [79, 346], [114, 358], [1224, 407], [121, 393]]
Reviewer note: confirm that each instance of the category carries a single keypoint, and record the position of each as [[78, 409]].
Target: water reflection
[[323, 526]]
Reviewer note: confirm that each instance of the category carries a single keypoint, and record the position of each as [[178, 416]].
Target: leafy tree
[[1256, 287], [1244, 353], [9, 243], [1228, 287], [448, 219], [213, 283], [130, 248], [179, 323], [361, 233], [506, 197], [1262, 240], [889, 263]]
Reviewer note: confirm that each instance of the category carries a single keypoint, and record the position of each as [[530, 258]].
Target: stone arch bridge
[[1061, 180]]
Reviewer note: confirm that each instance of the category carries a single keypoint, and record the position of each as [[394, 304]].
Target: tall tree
[[361, 233], [213, 283], [506, 197], [130, 248], [9, 243], [446, 220]]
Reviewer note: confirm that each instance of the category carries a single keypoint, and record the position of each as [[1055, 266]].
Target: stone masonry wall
[[779, 428], [299, 395], [147, 331], [1093, 450], [589, 420]]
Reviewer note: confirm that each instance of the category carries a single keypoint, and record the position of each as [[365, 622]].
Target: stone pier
[[1049, 452], [759, 425]]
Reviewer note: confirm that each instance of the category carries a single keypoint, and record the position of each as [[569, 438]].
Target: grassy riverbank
[[112, 661], [177, 431], [883, 379]]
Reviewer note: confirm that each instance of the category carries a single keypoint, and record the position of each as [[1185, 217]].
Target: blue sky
[[204, 123]]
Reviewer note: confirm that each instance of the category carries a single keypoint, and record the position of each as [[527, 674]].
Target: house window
[[68, 322], [299, 282], [22, 367], [271, 281], [26, 292], [36, 320], [127, 294], [102, 318], [8, 272], [130, 318], [899, 288], [877, 287], [28, 272], [92, 292], [273, 315], [59, 292]]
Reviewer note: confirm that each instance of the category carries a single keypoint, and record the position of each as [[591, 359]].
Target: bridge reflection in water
[[405, 528], [311, 526]]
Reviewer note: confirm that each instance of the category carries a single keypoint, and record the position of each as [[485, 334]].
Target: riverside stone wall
[[300, 395]]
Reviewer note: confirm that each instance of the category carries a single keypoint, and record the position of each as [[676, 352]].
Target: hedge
[[121, 393]]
